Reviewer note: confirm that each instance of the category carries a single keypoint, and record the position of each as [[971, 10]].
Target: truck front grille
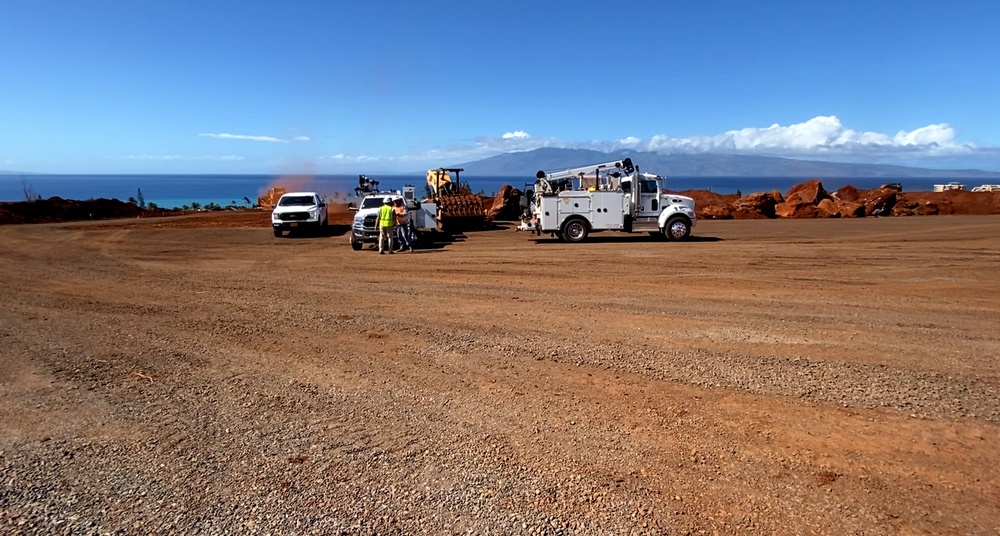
[[294, 216]]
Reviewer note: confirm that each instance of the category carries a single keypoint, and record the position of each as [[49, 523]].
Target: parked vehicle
[[364, 229], [987, 188], [612, 196], [948, 187], [299, 210]]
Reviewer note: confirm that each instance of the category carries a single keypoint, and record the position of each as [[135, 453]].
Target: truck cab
[[299, 210]]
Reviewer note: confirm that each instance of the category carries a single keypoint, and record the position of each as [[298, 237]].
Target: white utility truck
[[613, 196], [365, 226], [299, 210]]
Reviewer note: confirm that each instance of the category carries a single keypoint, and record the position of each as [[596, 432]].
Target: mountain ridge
[[527, 163]]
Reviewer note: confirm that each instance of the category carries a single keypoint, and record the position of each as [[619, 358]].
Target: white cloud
[[169, 157], [822, 137], [245, 137], [819, 136], [481, 147], [941, 135], [357, 159]]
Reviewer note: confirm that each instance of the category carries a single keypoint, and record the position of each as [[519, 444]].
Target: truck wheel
[[356, 246], [575, 231], [277, 233], [677, 229]]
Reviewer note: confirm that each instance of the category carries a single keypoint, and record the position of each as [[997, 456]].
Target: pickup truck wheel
[[575, 231], [277, 233], [677, 229], [356, 246]]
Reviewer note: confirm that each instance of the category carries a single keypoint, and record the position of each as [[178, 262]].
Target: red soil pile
[[55, 209], [811, 200]]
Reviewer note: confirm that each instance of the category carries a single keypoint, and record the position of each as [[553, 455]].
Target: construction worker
[[403, 226], [386, 226]]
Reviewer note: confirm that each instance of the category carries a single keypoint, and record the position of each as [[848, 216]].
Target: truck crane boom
[[624, 165]]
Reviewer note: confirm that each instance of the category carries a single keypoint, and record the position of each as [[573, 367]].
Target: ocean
[[170, 191]]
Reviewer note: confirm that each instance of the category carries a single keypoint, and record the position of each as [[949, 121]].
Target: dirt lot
[[768, 377]]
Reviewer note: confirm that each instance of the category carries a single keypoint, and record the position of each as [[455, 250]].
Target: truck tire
[[356, 245], [575, 230], [277, 233], [677, 228]]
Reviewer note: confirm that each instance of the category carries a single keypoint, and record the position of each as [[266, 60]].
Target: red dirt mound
[[55, 209], [811, 200]]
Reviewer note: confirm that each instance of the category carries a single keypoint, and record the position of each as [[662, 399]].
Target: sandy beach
[[196, 375]]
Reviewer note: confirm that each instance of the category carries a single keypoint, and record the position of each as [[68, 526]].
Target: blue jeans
[[405, 236]]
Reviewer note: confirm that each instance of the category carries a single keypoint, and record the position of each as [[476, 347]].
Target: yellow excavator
[[270, 198], [458, 209]]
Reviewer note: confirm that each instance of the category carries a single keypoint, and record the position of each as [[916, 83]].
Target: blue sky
[[124, 86]]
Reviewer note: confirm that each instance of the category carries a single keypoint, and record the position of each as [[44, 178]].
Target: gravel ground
[[809, 377]]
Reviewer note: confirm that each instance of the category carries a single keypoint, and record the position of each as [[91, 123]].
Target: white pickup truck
[[365, 226], [299, 210]]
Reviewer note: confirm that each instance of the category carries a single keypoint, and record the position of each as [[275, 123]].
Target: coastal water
[[170, 191]]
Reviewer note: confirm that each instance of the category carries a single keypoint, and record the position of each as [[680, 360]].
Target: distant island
[[704, 165]]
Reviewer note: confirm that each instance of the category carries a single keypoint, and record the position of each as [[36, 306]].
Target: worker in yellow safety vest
[[386, 226]]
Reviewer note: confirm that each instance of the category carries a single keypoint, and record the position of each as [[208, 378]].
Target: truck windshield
[[373, 202], [297, 201]]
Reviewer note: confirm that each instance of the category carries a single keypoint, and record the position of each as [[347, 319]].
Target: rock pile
[[506, 205], [811, 200]]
